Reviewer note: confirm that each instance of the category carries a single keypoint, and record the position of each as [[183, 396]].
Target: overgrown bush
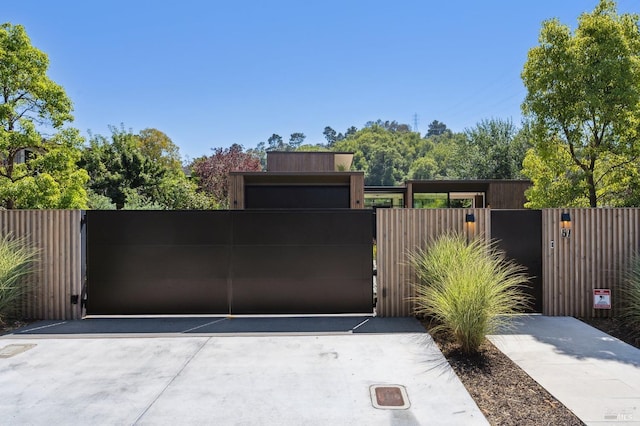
[[467, 287], [630, 292], [16, 262]]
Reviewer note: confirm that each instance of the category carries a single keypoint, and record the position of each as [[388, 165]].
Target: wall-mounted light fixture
[[565, 225], [470, 225]]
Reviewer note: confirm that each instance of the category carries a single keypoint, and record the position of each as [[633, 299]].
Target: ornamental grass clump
[[467, 287], [630, 292], [16, 262]]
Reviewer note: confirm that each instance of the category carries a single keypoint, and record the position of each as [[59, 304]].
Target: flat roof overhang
[[297, 178], [437, 186]]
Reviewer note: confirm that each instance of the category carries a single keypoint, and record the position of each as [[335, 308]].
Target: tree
[[117, 166], [275, 143], [392, 126], [130, 175], [424, 168], [385, 167], [440, 157], [492, 150], [583, 95], [557, 180], [384, 155], [296, 140], [213, 172], [330, 135], [436, 128], [157, 146], [35, 172]]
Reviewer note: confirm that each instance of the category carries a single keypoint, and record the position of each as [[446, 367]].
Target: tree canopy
[[583, 103], [127, 173], [35, 171], [212, 172], [493, 149]]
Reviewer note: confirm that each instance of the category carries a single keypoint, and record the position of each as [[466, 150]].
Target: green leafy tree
[[392, 126], [385, 167], [439, 157], [384, 152], [157, 146], [117, 165], [131, 177], [35, 172], [424, 168], [331, 136], [492, 150], [313, 148], [557, 180], [436, 128], [583, 94], [275, 143], [296, 140]]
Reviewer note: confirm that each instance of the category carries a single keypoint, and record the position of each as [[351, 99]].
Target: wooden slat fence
[[400, 231], [59, 270], [594, 256]]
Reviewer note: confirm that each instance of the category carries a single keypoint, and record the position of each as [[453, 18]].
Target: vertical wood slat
[[296, 161], [402, 231], [596, 255], [236, 191], [57, 236], [356, 189]]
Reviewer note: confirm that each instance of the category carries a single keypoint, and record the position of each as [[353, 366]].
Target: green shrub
[[16, 262], [467, 287], [630, 292]]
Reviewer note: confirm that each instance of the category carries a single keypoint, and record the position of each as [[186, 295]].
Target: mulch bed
[[504, 392], [616, 328]]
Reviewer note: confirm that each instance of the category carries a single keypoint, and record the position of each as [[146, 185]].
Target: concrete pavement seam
[[187, 362], [204, 325]]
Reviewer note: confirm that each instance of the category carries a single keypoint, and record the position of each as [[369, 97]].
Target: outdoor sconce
[[470, 225], [565, 225]]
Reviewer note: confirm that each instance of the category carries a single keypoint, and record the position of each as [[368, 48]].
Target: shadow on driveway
[[228, 325]]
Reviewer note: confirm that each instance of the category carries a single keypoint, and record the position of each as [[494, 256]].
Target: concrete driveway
[[279, 371]]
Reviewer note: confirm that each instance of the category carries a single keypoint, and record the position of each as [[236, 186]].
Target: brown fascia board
[[311, 152], [458, 185], [386, 189], [297, 178]]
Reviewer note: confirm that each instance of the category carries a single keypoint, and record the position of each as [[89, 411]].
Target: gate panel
[[302, 262], [221, 262], [519, 234], [154, 262]]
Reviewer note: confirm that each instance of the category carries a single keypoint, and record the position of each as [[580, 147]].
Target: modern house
[[312, 180], [323, 180], [498, 194]]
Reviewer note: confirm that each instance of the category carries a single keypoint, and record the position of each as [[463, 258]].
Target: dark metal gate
[[519, 234], [229, 262]]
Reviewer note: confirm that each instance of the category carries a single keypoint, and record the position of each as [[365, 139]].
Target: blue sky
[[213, 73]]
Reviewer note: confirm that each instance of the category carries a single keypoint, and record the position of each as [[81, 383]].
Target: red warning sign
[[601, 298]]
